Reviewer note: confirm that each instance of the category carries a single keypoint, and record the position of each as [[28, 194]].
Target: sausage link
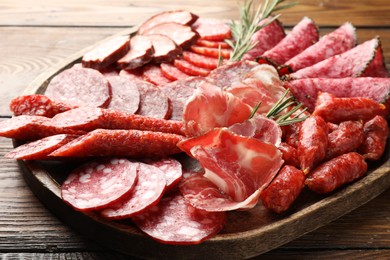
[[336, 172], [289, 154]]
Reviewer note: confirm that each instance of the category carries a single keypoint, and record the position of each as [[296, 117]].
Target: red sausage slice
[[201, 61], [165, 49], [172, 73], [172, 170], [147, 193], [99, 184], [140, 53], [212, 29], [80, 87], [211, 52], [125, 95], [173, 221], [190, 69], [212, 44], [153, 74]]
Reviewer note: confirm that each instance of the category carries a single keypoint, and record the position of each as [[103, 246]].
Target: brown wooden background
[[37, 34]]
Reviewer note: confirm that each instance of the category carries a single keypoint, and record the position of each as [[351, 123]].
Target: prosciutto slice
[[241, 167]]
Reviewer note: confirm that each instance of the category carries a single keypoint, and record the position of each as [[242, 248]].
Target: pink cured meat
[[303, 35], [38, 105], [80, 87], [210, 107], [147, 193], [172, 73], [336, 42], [173, 221], [165, 49], [153, 74], [100, 183], [240, 166], [131, 74], [40, 149], [212, 29], [266, 38], [140, 52], [377, 67], [125, 95], [179, 92], [306, 90], [106, 53], [352, 63], [172, 169]]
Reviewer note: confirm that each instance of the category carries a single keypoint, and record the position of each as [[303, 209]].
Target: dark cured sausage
[[289, 154], [376, 132], [140, 53], [165, 49], [284, 189], [336, 172], [98, 184]]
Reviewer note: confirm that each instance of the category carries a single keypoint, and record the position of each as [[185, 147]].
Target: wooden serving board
[[246, 234]]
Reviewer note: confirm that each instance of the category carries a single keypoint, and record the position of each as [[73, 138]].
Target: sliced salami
[[80, 87], [303, 35], [38, 105], [172, 169], [173, 221], [190, 69], [165, 49], [132, 74], [180, 16], [126, 143], [172, 73], [141, 52], [212, 29], [211, 52], [99, 184], [201, 61], [106, 53], [336, 42], [352, 63], [125, 95], [40, 149], [182, 35], [153, 74], [377, 67], [146, 194], [212, 44]]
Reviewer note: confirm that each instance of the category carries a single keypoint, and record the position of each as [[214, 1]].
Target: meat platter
[[246, 233]]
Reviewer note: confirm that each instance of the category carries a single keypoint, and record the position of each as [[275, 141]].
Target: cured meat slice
[[126, 143], [179, 92], [190, 69], [179, 16], [266, 38], [172, 73], [352, 63], [377, 67], [106, 53], [336, 42], [153, 74], [306, 90], [173, 221], [212, 29], [212, 44], [141, 52], [125, 95], [98, 184], [303, 35], [88, 119], [147, 193], [182, 35], [239, 166], [153, 102], [80, 87], [40, 149], [37, 105], [165, 49], [132, 74], [211, 107], [172, 170], [29, 128], [211, 52], [200, 60], [231, 74]]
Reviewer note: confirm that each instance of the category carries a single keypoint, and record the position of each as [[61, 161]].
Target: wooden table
[[37, 34]]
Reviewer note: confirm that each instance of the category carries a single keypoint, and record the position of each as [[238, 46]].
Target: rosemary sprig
[[250, 19]]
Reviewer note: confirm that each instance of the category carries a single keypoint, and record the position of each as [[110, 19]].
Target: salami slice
[[153, 74], [180, 16], [165, 49], [172, 73], [212, 44], [201, 61], [173, 221], [212, 29], [106, 53], [141, 52], [182, 35], [211, 52], [125, 95], [352, 63], [336, 42], [146, 194], [306, 90], [172, 170], [266, 38], [38, 105], [99, 184], [190, 69], [132, 74], [303, 35], [377, 67], [40, 149], [80, 87]]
